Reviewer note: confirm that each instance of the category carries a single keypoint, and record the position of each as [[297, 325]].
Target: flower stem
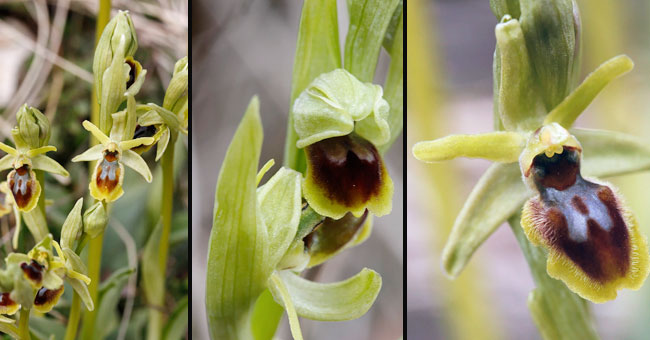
[[155, 315], [73, 319], [94, 264], [23, 324]]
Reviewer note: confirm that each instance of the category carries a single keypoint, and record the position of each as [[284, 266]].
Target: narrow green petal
[[608, 153], [495, 146], [498, 195], [42, 162], [94, 153], [132, 143], [95, 131], [7, 162], [280, 289], [40, 151], [338, 301], [234, 279], [280, 204], [572, 106], [369, 20], [265, 168], [317, 51], [134, 161], [8, 149]]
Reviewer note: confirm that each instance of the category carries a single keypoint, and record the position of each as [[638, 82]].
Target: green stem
[[155, 315], [73, 319], [23, 324], [557, 312], [94, 265]]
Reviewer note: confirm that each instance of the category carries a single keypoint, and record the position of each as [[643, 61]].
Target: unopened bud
[[95, 220]]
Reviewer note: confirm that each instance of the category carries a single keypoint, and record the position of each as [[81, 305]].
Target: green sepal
[[609, 153], [393, 88], [498, 195]]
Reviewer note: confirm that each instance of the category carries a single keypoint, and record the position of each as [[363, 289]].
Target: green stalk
[[155, 315], [96, 244], [94, 264], [73, 319], [23, 324]]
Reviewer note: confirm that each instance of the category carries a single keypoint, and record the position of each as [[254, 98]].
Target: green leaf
[[110, 292], [317, 52], [176, 326], [393, 88], [558, 313], [500, 146], [572, 106], [517, 98], [369, 20], [266, 316], [152, 277], [498, 195], [234, 276], [608, 153], [338, 301], [44, 327]]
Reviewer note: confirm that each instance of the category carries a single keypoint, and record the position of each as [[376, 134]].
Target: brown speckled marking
[[348, 168], [33, 270], [45, 296]]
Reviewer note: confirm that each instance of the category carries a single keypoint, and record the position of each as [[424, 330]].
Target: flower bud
[[95, 220], [176, 95], [72, 227], [33, 127]]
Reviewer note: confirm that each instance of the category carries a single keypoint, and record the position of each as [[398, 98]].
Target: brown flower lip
[[33, 270], [579, 218], [330, 235], [45, 295], [348, 168], [21, 184]]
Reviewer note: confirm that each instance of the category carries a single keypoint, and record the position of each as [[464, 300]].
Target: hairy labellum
[[108, 173], [7, 305], [24, 187], [46, 299], [346, 174], [594, 244]]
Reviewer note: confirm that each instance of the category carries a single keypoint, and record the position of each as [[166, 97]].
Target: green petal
[[517, 99], [96, 132], [498, 195], [495, 146], [338, 301], [608, 153], [7, 162], [280, 204], [8, 149], [317, 52], [131, 159], [235, 275], [132, 143], [572, 106], [39, 151], [42, 162], [52, 281], [169, 118], [369, 20], [82, 290], [94, 153], [162, 144]]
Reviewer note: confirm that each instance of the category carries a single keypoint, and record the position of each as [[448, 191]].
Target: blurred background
[[46, 55], [449, 70], [243, 48]]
